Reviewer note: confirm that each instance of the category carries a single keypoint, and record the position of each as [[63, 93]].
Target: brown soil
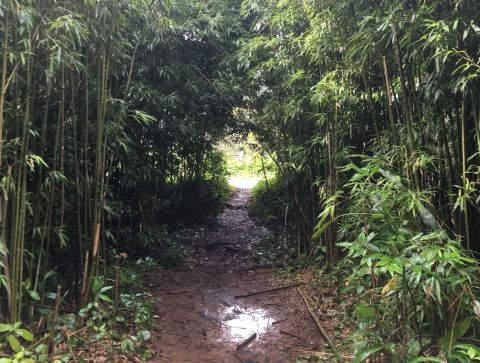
[[199, 318]]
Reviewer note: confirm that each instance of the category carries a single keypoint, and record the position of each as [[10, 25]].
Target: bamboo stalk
[[61, 123], [320, 327], [388, 87], [79, 260], [3, 235], [58, 296], [3, 83], [406, 106], [464, 176]]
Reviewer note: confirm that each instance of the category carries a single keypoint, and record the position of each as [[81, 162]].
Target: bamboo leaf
[[367, 352], [426, 360], [453, 334]]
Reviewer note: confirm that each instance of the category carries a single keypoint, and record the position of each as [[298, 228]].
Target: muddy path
[[199, 318]]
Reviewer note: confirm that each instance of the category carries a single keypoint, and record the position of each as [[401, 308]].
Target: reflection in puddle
[[240, 324]]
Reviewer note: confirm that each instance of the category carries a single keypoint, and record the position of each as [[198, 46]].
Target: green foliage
[[274, 250], [244, 159], [110, 111], [114, 109], [401, 265], [397, 81], [389, 77], [128, 323], [125, 327], [11, 339], [269, 202], [168, 248]]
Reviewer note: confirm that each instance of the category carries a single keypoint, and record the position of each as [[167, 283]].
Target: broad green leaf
[[49, 274], [371, 247], [41, 348], [367, 352], [25, 334], [105, 288], [472, 351], [5, 327], [105, 298], [34, 295], [453, 334], [14, 343]]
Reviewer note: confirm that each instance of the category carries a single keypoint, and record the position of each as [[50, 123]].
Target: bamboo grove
[[370, 110], [109, 113], [395, 79]]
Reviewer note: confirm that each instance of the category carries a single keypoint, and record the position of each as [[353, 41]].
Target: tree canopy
[[111, 110]]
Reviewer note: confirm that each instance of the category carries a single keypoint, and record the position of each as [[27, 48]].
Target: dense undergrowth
[[401, 278], [409, 279], [269, 203], [115, 324]]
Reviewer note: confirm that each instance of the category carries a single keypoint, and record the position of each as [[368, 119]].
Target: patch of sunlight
[[243, 182]]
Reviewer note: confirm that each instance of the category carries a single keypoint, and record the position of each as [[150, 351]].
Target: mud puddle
[[199, 318], [239, 325]]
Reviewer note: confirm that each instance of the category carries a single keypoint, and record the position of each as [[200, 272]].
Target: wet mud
[[199, 318]]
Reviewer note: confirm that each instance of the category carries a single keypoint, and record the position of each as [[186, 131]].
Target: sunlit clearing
[[243, 182], [245, 163]]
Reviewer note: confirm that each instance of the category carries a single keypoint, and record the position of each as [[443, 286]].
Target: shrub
[[167, 247], [401, 263], [269, 202]]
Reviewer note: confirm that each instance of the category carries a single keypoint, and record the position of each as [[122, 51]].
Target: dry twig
[[319, 326], [246, 341], [268, 290]]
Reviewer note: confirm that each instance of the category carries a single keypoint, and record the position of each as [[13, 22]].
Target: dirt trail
[[199, 318]]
